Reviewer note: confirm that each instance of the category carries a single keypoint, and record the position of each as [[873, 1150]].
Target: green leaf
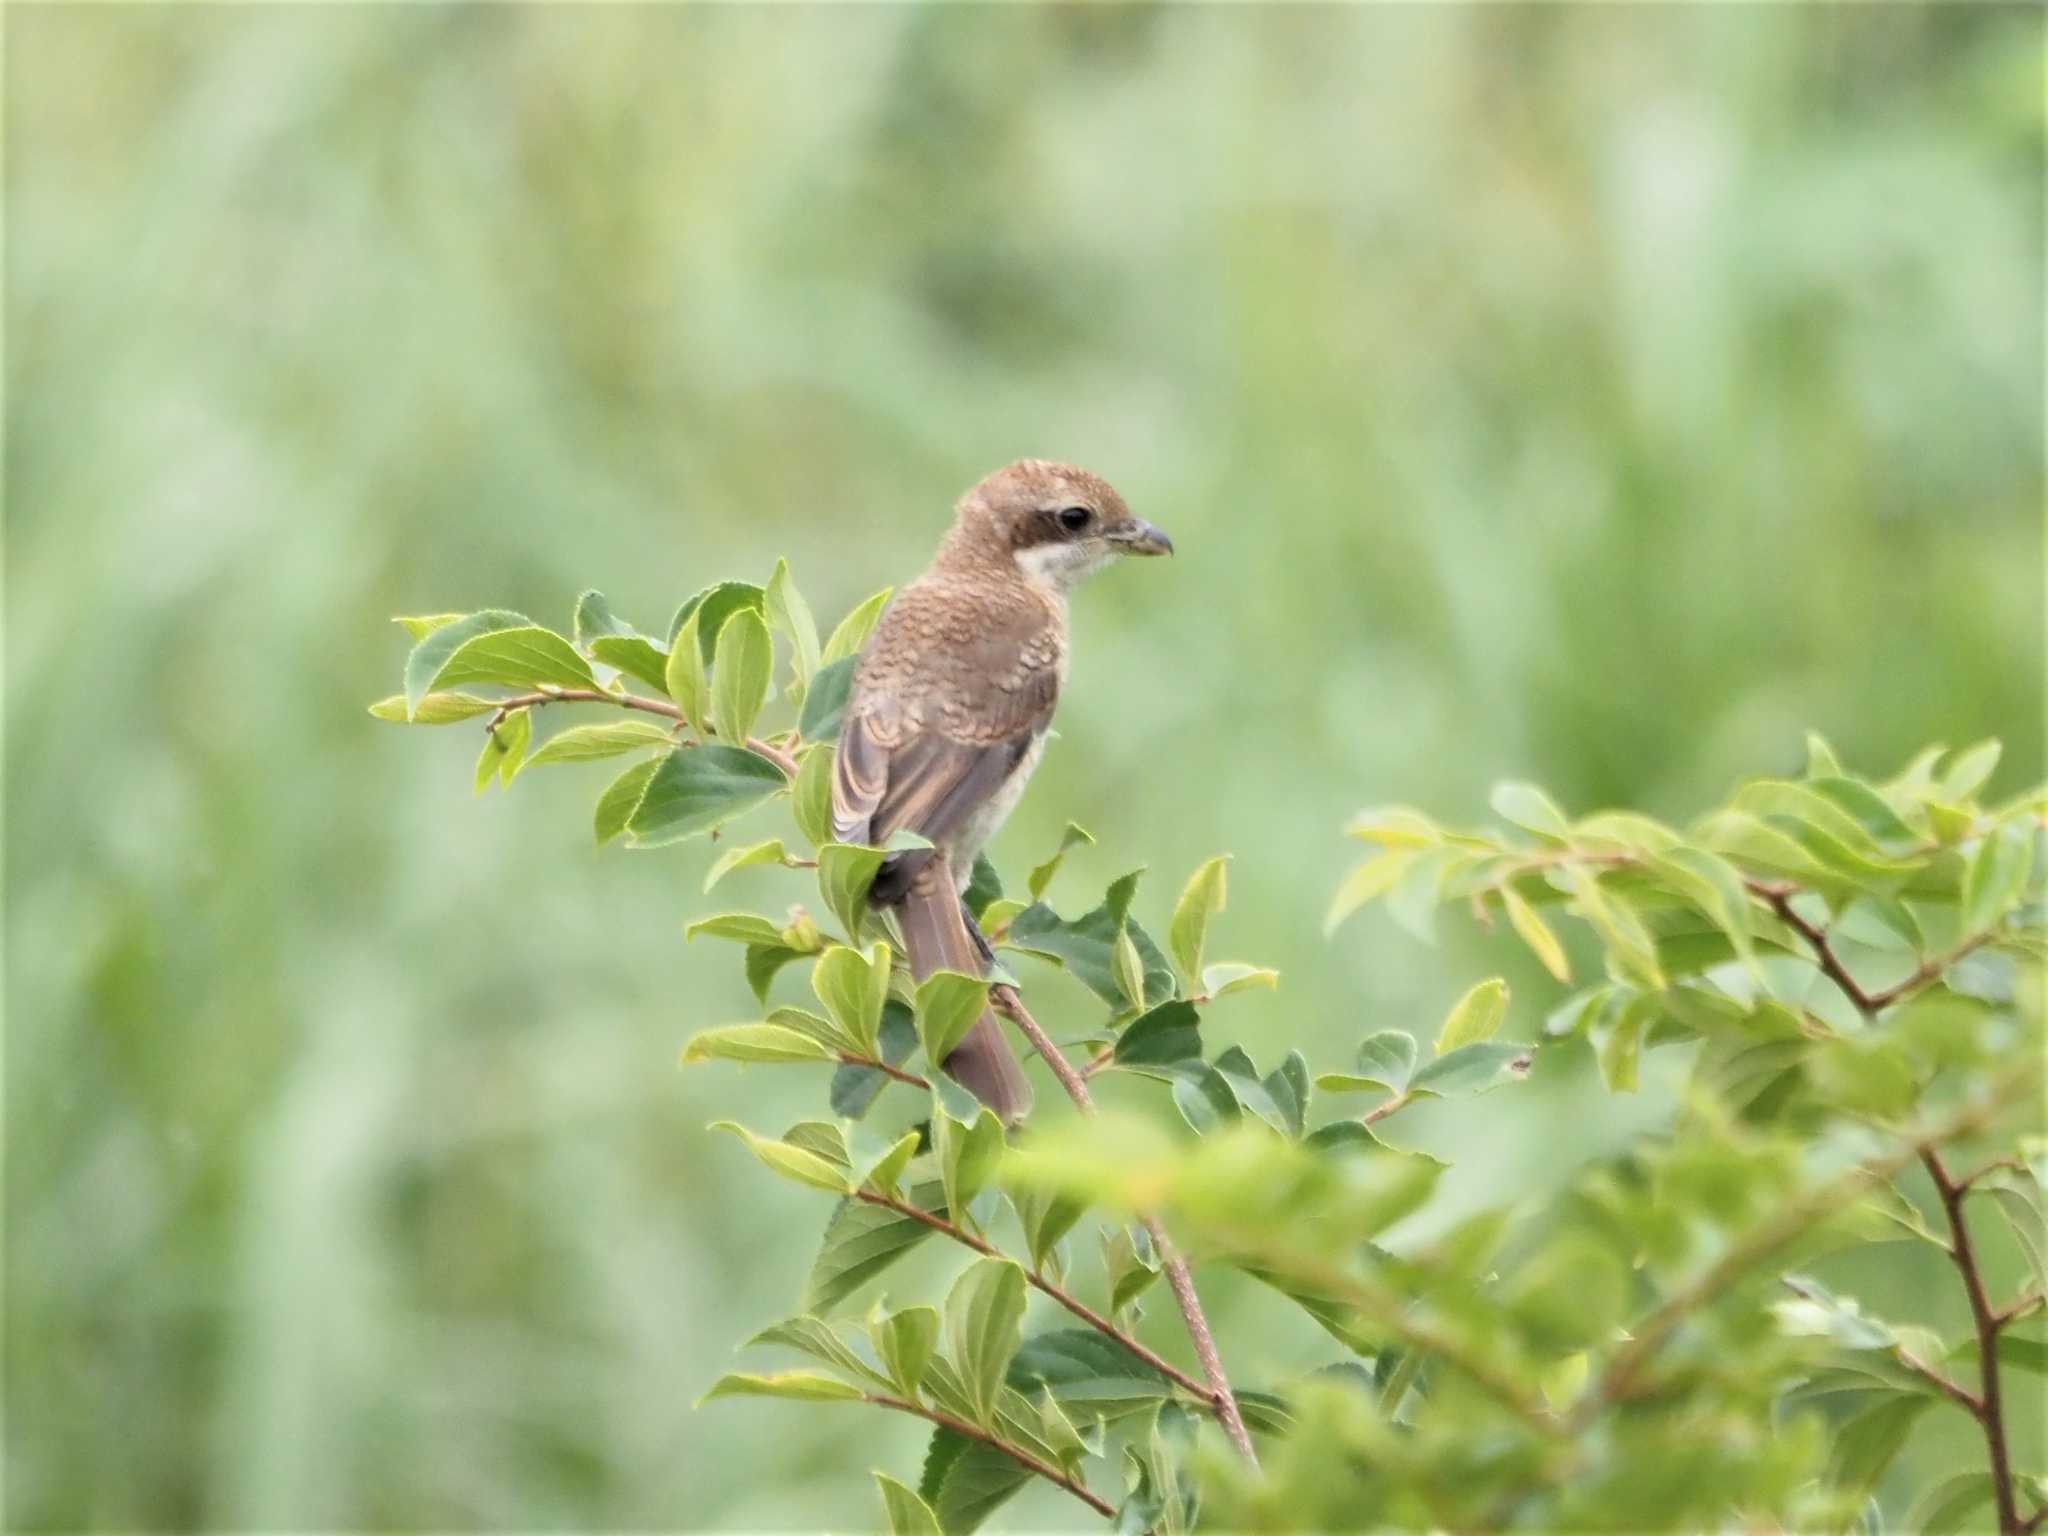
[[1715, 889], [1821, 761], [1046, 1216], [1536, 933], [504, 748], [906, 1341], [1871, 1439], [694, 789], [947, 1006], [1086, 947], [908, 1515], [1129, 968], [1204, 1097], [1622, 1048], [968, 1481], [2018, 1198], [1129, 1266], [803, 1386], [1630, 949], [740, 927], [1161, 1040], [888, 1168], [1748, 840], [1475, 1016], [984, 887], [852, 631], [585, 743], [422, 625], [1200, 901], [1996, 876], [616, 805], [712, 608], [1222, 980], [1288, 1087], [1367, 883], [984, 1325], [861, 1241], [1527, 807], [790, 614], [754, 1042], [494, 646], [1969, 771], [810, 801], [969, 1155], [821, 1341], [636, 656], [1948, 1505], [1088, 1372], [853, 987], [434, 709], [845, 871], [770, 852], [684, 676], [1042, 876], [594, 617], [1814, 1311], [791, 1162], [1469, 1069], [825, 701], [741, 675]]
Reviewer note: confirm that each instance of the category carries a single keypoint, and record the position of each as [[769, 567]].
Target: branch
[[1065, 1298], [1221, 1399], [1023, 1459], [622, 700], [1992, 1410], [851, 1059]]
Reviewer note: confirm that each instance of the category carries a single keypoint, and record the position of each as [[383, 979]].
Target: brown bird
[[948, 710]]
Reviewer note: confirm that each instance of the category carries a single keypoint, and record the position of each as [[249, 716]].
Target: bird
[[947, 713]]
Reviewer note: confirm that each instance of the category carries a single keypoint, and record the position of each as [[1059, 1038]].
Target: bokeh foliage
[[1598, 396]]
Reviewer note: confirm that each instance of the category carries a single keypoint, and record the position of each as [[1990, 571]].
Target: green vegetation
[[1600, 396], [1849, 967]]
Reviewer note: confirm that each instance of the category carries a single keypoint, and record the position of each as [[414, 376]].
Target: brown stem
[[638, 701], [1379, 1112], [1992, 1410], [1221, 1399], [1072, 1303], [883, 1067], [1023, 1458]]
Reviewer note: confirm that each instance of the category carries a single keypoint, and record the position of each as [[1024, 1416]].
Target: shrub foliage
[[1844, 972]]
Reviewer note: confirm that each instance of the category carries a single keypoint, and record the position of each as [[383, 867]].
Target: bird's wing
[[937, 724]]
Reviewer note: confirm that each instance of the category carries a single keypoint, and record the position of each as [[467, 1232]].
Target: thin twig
[[850, 1059], [1058, 1293], [1221, 1399], [637, 701], [1023, 1458], [1992, 1414], [1946, 1385]]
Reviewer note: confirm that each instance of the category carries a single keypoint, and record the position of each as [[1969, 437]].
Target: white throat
[[1060, 567]]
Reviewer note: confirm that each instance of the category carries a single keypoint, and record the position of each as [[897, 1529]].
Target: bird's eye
[[1074, 519]]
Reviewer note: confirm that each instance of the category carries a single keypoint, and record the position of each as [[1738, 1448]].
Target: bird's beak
[[1139, 537]]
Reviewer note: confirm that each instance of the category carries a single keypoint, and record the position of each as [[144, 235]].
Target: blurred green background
[[1594, 395]]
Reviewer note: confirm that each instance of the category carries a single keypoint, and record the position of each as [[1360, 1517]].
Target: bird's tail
[[935, 937]]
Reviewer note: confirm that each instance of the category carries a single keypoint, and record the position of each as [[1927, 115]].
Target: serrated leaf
[[791, 1162], [1160, 1040], [821, 1341], [684, 674], [908, 1515], [845, 871], [1475, 1016], [494, 646], [1088, 1372], [984, 887], [861, 1241], [434, 709], [984, 1325], [853, 987], [802, 1386], [615, 806], [754, 1042], [1200, 900], [1526, 806], [1086, 946], [1536, 933], [976, 1481], [594, 617], [586, 743], [947, 1006], [741, 675], [790, 614], [1041, 877], [769, 852], [1469, 1069], [634, 655], [712, 608], [851, 633], [825, 701], [695, 789]]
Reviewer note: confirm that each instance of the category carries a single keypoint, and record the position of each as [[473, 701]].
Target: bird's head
[[1055, 523]]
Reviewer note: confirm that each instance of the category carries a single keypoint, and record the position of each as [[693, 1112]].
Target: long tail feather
[[935, 937]]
